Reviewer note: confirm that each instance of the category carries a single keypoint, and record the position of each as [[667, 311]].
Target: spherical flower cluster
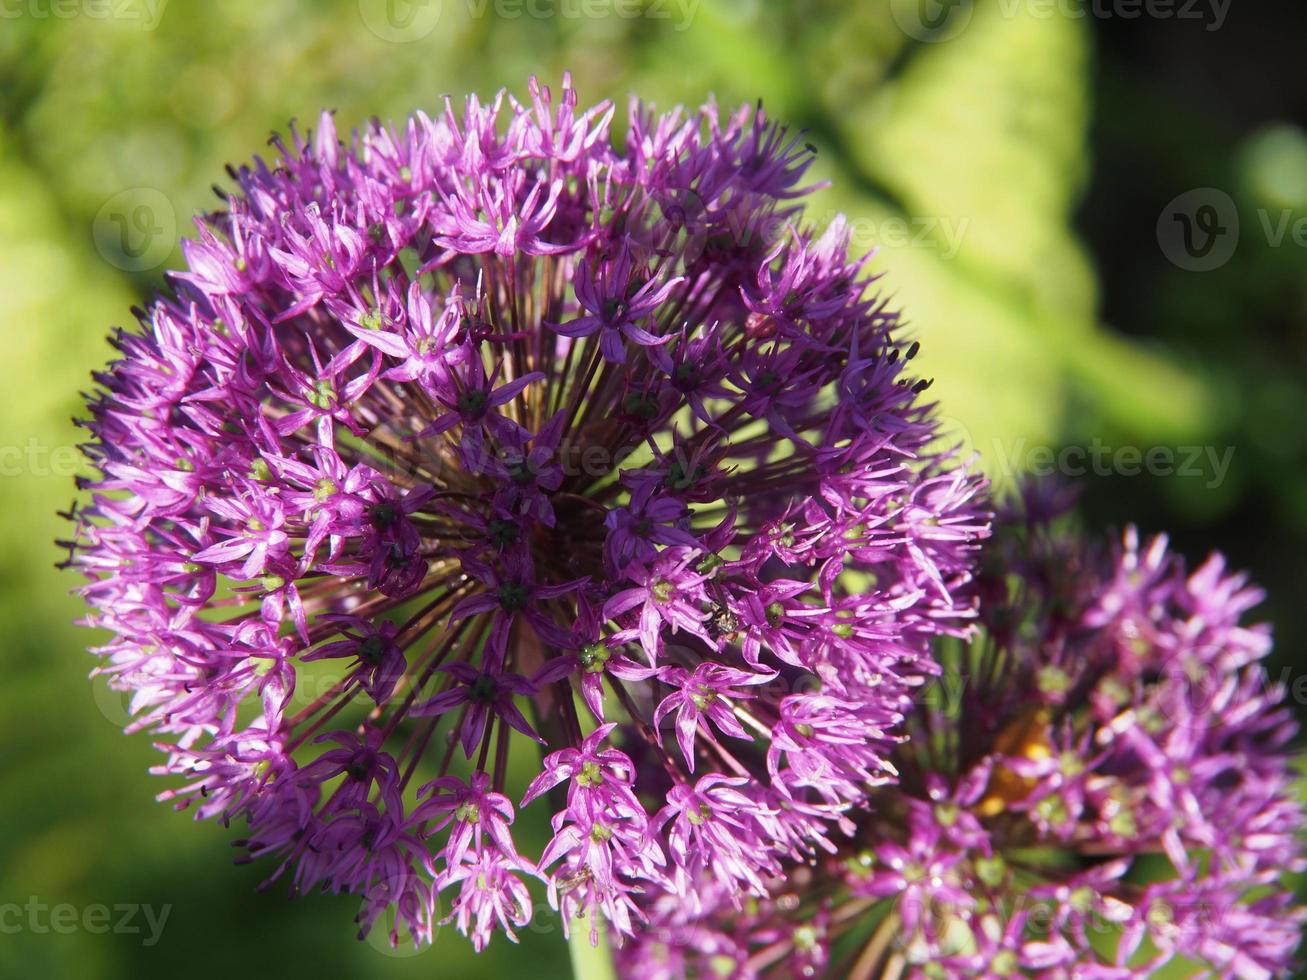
[[492, 430], [1098, 787]]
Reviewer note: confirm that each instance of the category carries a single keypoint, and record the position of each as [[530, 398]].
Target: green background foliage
[[1013, 177]]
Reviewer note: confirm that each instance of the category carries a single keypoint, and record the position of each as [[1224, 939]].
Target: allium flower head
[[491, 430], [1098, 787]]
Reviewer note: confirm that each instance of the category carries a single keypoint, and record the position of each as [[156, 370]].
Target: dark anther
[[383, 515]]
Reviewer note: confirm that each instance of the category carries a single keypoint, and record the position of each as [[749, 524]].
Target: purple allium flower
[[1098, 787], [448, 424]]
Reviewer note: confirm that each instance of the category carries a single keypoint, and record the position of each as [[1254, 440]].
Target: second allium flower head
[[523, 434], [1099, 785]]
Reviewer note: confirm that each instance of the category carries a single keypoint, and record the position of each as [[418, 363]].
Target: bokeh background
[[1030, 170]]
